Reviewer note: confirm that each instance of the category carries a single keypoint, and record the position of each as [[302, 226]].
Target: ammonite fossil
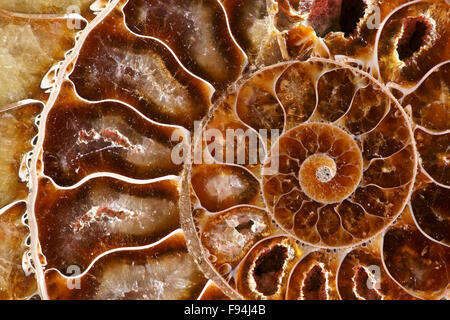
[[225, 149]]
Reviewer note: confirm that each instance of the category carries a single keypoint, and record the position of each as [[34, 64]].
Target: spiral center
[[318, 166], [328, 162], [324, 174]]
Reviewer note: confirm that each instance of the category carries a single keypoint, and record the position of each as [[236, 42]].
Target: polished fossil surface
[[118, 180]]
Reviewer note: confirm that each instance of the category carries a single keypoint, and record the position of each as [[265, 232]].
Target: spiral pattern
[[360, 154], [315, 136]]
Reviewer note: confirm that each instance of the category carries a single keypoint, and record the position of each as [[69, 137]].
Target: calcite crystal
[[225, 149]]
